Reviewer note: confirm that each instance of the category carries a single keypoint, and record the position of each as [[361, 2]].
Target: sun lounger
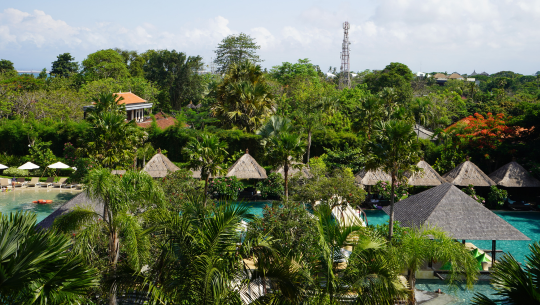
[[20, 182], [49, 182], [73, 185], [519, 205], [5, 183], [34, 182], [60, 183]]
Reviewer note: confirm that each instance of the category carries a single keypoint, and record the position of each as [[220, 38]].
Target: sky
[[426, 35]]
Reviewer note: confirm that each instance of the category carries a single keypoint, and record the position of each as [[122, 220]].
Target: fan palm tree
[[206, 155], [37, 266], [515, 284], [125, 201], [106, 102], [244, 98], [286, 149], [394, 150], [420, 246]]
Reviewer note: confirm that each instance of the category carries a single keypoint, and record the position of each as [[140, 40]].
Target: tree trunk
[[286, 171], [412, 285], [206, 189], [308, 145], [114, 250], [391, 224], [144, 160]]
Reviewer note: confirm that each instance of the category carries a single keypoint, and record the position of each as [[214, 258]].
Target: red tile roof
[[161, 120], [129, 98]]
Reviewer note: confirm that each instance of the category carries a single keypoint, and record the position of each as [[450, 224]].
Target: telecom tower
[[345, 77]]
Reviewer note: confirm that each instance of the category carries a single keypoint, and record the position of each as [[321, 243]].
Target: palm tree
[[125, 201], [286, 149], [145, 151], [515, 284], [206, 155], [244, 97], [200, 264], [274, 125], [370, 112], [422, 112], [106, 102], [420, 246], [395, 151], [37, 265]]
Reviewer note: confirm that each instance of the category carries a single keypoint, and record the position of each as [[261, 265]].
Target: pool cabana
[[426, 177], [159, 166], [302, 172], [247, 168], [514, 175], [451, 210], [468, 173], [371, 177]]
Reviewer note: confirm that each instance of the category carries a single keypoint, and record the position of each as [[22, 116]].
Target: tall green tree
[[285, 149], [234, 49], [6, 67], [38, 266], [133, 61], [245, 100], [207, 155], [369, 112], [126, 200], [64, 65], [104, 64], [393, 149], [176, 75], [395, 75]]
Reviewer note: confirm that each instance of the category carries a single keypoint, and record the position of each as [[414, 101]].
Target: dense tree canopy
[[64, 65], [104, 64], [234, 49]]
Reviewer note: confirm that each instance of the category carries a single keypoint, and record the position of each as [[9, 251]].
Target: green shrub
[[227, 187], [384, 188], [273, 186], [15, 172], [469, 190], [496, 197]]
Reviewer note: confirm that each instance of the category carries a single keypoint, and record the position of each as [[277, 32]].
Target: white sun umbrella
[[58, 165], [28, 165], [2, 166]]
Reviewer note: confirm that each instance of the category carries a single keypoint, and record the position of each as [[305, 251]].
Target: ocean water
[[21, 200]]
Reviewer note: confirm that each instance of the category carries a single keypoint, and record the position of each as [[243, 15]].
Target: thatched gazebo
[[303, 172], [514, 175], [468, 173], [159, 166], [118, 171], [247, 168], [427, 177], [448, 208], [364, 177]]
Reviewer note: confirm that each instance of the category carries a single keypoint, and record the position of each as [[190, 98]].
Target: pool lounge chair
[[5, 183], [73, 185], [519, 205], [34, 182], [20, 182], [49, 182], [60, 183]]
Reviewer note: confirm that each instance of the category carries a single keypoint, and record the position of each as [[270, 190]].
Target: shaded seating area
[[521, 186], [461, 217], [370, 178], [159, 166], [427, 176], [246, 167], [303, 171], [468, 173]]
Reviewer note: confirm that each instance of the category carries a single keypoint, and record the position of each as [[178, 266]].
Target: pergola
[[461, 217]]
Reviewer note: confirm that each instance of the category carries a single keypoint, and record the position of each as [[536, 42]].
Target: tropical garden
[[182, 240]]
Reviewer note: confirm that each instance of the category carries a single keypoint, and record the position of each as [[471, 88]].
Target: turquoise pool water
[[526, 222], [256, 207], [21, 199]]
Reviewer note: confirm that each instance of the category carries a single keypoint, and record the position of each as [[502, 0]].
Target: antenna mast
[[345, 77]]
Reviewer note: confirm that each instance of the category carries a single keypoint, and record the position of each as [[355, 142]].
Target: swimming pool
[[21, 200], [526, 222]]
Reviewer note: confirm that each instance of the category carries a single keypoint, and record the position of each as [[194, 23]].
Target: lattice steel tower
[[345, 77]]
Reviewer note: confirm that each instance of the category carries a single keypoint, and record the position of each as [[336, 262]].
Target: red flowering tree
[[484, 133]]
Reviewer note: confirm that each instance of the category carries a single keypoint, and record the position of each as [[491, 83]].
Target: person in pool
[[13, 182]]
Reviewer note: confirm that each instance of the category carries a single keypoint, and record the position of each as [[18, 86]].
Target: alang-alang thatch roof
[[247, 168], [468, 173], [427, 177], [449, 209], [159, 166], [303, 172], [514, 175], [371, 177]]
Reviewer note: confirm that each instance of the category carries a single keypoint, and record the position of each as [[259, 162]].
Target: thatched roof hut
[[371, 177], [427, 177], [514, 175], [247, 168], [118, 171], [303, 172], [468, 173], [81, 200], [159, 166], [455, 212]]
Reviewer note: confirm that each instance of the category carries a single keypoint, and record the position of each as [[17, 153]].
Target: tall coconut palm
[[125, 201], [106, 102], [515, 284], [394, 149], [206, 155], [370, 111], [420, 246], [286, 149], [244, 98], [37, 265]]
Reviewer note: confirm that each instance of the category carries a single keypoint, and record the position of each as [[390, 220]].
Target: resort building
[[136, 107]]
